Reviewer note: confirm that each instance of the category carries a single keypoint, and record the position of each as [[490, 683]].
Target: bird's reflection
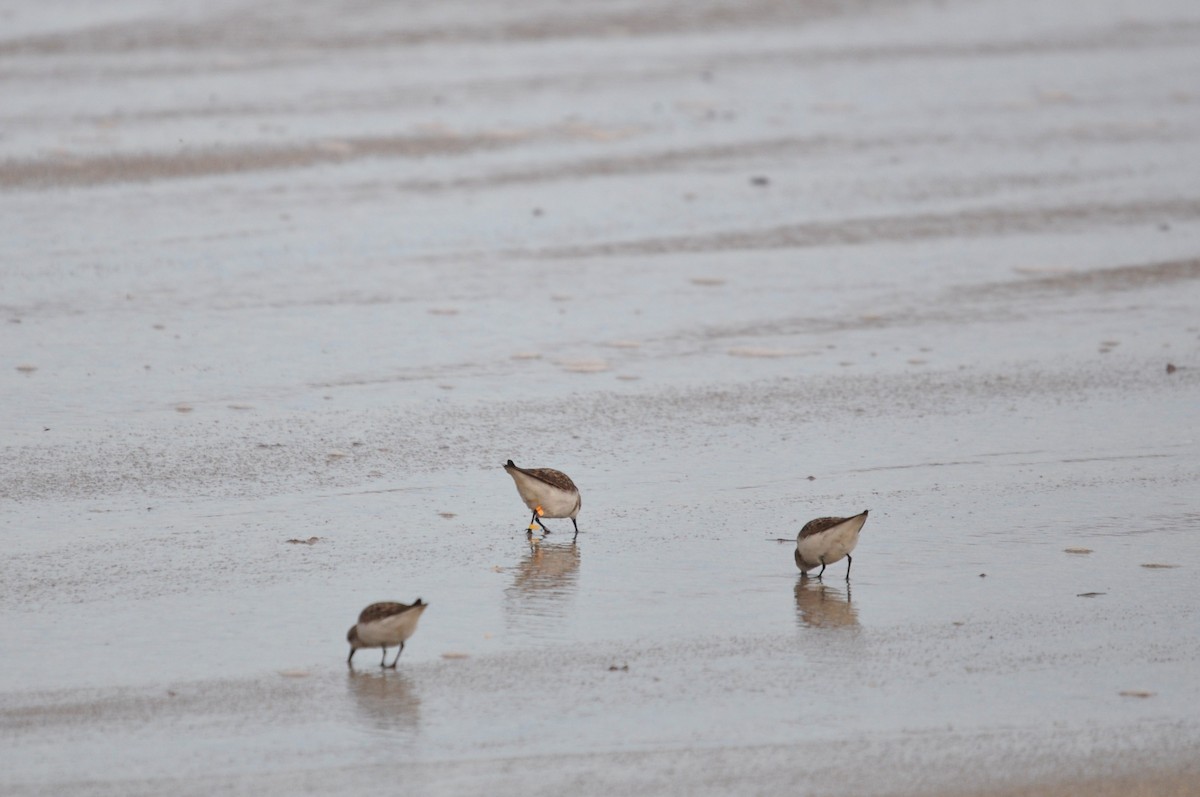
[[543, 583], [386, 700], [819, 605]]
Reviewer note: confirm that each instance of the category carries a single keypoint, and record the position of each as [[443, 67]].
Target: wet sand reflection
[[544, 581], [386, 700], [819, 605]]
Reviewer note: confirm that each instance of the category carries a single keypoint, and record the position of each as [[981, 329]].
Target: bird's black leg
[[383, 661], [849, 561], [576, 525], [533, 520], [398, 652], [350, 658], [822, 567]]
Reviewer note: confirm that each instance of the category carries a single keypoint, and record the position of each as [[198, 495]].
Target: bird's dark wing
[[819, 525], [378, 611], [552, 477]]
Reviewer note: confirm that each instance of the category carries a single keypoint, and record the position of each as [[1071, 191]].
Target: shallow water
[[323, 285]]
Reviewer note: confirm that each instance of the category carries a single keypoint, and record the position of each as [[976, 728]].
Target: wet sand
[[273, 274]]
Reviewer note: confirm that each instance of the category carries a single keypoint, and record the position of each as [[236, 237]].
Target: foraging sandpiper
[[382, 625], [549, 493], [826, 540]]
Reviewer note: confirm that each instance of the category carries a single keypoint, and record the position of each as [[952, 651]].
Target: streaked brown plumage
[[552, 477], [378, 611], [820, 524]]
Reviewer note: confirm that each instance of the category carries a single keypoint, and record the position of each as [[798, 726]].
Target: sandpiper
[[382, 625], [548, 492], [826, 540]]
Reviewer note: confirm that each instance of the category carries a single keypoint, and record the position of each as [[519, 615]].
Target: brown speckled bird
[[826, 540], [547, 492], [382, 625]]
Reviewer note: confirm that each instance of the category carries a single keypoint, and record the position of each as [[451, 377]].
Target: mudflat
[[282, 287]]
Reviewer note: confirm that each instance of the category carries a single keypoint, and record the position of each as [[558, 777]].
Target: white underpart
[[831, 545], [553, 501], [390, 631]]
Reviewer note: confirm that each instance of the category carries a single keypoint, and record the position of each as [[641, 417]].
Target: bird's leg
[[383, 661], [576, 525], [532, 521], [822, 567], [350, 658], [398, 652], [849, 561]]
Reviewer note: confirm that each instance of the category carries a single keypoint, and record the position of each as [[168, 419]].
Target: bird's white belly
[[389, 631], [553, 501], [830, 546]]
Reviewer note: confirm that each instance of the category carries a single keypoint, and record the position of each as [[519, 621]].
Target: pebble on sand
[[758, 351], [584, 366]]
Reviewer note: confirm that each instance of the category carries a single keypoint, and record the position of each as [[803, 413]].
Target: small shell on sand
[[526, 355], [708, 282], [584, 366], [334, 146], [1077, 550], [1158, 566], [26, 368], [455, 655], [443, 311], [624, 344], [1136, 693], [183, 408], [294, 673], [591, 133]]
